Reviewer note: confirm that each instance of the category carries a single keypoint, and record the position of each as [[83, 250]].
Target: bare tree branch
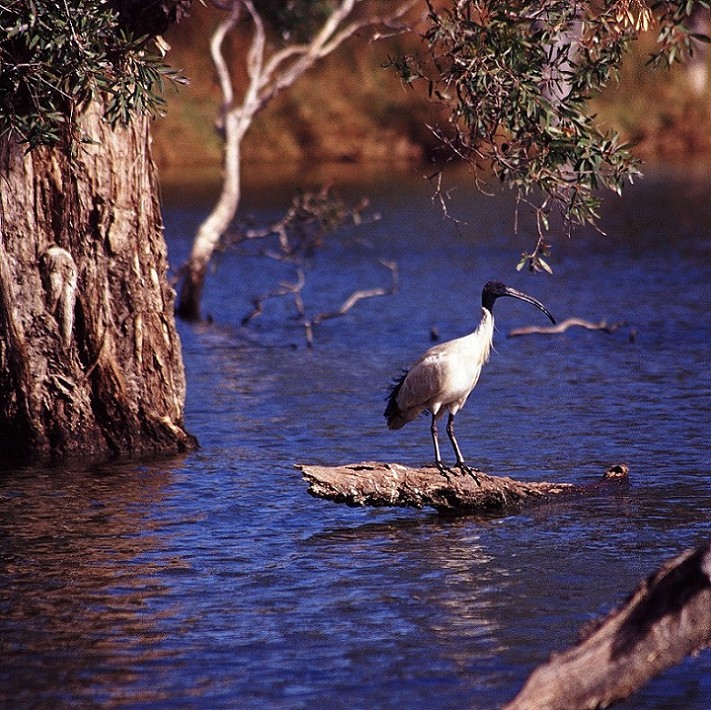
[[353, 299], [324, 43], [442, 197], [285, 289], [221, 68], [299, 232]]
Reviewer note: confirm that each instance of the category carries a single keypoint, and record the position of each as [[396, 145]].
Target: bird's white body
[[442, 379]]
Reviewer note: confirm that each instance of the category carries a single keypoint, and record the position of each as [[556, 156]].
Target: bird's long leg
[[435, 440], [457, 451], [452, 438]]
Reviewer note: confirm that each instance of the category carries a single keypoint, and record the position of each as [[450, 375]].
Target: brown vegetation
[[352, 109]]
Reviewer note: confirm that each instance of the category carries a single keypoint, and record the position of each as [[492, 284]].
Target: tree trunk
[[215, 225], [269, 75], [389, 484], [90, 362]]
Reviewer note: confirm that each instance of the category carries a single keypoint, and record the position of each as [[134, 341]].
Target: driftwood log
[[390, 484], [564, 325], [667, 618]]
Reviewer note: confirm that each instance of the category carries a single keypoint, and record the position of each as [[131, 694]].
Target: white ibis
[[443, 377]]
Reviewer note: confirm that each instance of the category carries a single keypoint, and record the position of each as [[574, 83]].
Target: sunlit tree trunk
[[698, 65], [90, 362], [268, 76], [234, 126], [667, 618]]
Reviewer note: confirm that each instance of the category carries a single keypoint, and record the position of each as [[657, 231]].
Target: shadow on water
[[215, 581]]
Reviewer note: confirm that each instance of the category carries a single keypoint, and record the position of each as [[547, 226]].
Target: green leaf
[[54, 58], [544, 265]]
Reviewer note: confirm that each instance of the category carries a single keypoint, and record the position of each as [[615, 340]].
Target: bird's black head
[[495, 289]]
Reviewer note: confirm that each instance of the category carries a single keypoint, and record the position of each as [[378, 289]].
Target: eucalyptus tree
[[516, 78], [287, 40], [90, 361]]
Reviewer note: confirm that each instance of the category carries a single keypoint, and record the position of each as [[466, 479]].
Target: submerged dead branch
[[563, 326], [389, 484], [295, 238], [284, 289], [354, 298], [294, 290], [667, 618]]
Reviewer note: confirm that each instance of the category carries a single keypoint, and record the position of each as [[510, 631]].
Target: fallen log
[[667, 618], [390, 484]]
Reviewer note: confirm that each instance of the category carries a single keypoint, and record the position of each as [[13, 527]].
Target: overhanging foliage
[[515, 79], [57, 56]]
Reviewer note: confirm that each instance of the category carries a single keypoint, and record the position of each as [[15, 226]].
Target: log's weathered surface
[[667, 618], [391, 484]]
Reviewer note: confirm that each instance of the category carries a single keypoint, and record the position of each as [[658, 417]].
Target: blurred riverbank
[[350, 109]]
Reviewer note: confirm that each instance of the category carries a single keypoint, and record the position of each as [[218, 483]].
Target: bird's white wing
[[425, 381], [444, 375]]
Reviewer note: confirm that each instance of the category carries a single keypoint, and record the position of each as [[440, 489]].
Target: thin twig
[[285, 289], [443, 197]]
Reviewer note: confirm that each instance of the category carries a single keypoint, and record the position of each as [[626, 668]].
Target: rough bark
[[389, 484], [667, 618], [90, 362]]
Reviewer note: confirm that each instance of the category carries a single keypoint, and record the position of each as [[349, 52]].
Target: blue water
[[215, 581]]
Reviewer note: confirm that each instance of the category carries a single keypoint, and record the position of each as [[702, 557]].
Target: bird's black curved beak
[[507, 291]]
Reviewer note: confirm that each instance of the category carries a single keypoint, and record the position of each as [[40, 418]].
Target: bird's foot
[[445, 471], [469, 471]]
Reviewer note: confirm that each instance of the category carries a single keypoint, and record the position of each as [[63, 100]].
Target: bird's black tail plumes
[[392, 412]]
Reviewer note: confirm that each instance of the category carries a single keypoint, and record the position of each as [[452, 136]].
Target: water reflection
[[79, 582]]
